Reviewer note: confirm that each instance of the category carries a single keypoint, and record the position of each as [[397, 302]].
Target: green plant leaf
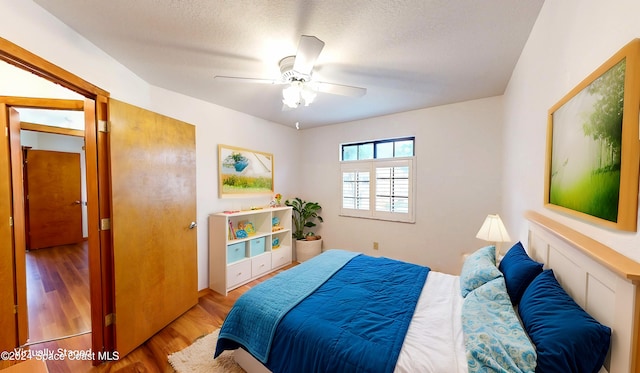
[[304, 214]]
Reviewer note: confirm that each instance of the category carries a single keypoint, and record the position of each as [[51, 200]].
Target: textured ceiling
[[408, 54]]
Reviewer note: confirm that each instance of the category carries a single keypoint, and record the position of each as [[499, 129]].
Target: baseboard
[[203, 292]]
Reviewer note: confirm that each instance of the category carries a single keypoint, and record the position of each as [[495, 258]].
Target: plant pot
[[306, 250], [241, 165]]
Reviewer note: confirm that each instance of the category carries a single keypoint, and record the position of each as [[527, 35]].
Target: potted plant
[[304, 215], [236, 160]]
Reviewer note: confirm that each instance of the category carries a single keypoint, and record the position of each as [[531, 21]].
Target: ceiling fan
[[296, 72]]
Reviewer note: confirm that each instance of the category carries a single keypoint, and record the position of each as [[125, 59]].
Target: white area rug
[[199, 358]]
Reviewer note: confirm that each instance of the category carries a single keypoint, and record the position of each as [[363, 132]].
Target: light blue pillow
[[478, 269], [494, 338]]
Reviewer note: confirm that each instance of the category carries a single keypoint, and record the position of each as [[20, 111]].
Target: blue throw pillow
[[478, 269], [567, 339], [518, 270]]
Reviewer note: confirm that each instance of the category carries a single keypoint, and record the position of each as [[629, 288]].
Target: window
[[377, 179]]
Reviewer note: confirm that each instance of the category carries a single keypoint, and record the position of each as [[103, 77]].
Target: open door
[[8, 319], [19, 235], [153, 189]]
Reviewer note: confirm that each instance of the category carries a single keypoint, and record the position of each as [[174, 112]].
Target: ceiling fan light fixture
[[297, 93], [291, 95]]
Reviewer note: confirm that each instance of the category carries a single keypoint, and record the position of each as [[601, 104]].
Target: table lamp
[[494, 232]]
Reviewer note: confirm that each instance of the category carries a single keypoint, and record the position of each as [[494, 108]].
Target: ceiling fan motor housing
[[287, 74]]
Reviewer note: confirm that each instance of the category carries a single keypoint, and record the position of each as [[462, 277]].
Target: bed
[[567, 303]]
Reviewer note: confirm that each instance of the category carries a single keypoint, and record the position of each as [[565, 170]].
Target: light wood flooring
[[200, 320], [59, 304]]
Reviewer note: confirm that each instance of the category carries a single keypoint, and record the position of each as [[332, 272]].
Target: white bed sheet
[[434, 340]]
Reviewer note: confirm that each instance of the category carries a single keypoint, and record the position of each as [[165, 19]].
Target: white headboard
[[603, 281]]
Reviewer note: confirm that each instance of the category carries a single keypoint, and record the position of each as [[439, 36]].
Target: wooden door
[[8, 322], [153, 189], [55, 210], [19, 247]]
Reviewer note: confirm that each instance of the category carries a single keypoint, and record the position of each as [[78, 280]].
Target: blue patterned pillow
[[478, 269], [494, 338], [518, 270], [567, 339]]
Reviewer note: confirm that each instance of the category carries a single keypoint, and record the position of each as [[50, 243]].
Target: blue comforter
[[354, 322], [256, 314]]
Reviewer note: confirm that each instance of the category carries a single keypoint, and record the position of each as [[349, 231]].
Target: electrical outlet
[[375, 245]]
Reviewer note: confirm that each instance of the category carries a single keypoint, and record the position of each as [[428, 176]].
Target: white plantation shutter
[[379, 189], [356, 189]]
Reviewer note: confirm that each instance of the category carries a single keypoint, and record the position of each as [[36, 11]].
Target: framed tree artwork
[[244, 172], [593, 156]]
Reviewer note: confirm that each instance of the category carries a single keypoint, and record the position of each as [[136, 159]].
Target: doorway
[[53, 184], [19, 336], [165, 245], [93, 104], [57, 271]]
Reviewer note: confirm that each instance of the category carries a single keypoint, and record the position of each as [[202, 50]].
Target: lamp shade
[[493, 230]]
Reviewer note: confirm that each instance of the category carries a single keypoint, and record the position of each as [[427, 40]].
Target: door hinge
[[15, 309], [103, 126], [110, 319], [11, 221], [105, 224]]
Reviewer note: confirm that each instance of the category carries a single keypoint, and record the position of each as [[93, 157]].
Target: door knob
[[193, 225], [77, 202]]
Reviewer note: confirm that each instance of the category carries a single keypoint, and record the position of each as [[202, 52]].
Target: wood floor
[[59, 303], [200, 320]]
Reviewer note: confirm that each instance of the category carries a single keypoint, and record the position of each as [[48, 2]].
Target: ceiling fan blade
[[339, 89], [309, 49], [247, 80]]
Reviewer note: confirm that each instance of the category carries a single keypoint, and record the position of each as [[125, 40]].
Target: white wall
[[458, 149], [29, 26], [570, 39]]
